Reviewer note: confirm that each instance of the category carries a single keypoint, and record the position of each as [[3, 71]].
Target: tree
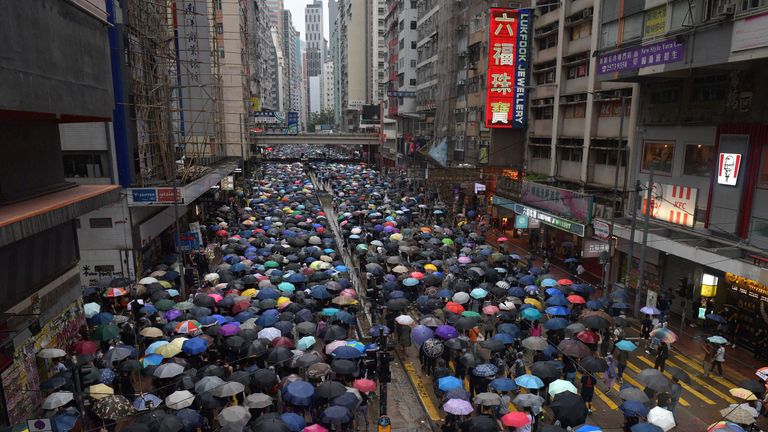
[[320, 118]]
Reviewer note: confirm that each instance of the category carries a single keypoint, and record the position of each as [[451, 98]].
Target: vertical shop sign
[[508, 51]]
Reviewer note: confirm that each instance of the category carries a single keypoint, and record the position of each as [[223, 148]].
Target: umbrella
[[515, 419], [535, 343], [146, 401], [113, 407], [458, 407], [718, 340], [208, 383], [530, 314], [235, 417], [632, 408], [737, 415], [151, 332], [742, 394], [228, 389], [49, 353], [573, 348], [58, 399], [678, 373], [168, 370], [179, 399], [485, 370], [295, 422], [487, 399], [529, 381], [649, 310], [405, 320], [433, 348], [503, 384], [546, 369], [633, 394], [481, 423], [746, 407], [588, 337], [100, 391], [716, 318], [336, 415], [725, 426], [665, 335], [569, 409], [449, 382], [258, 400], [556, 323], [105, 332], [594, 364], [645, 427], [558, 386], [626, 345], [528, 400], [596, 322], [751, 385], [653, 379], [662, 418]]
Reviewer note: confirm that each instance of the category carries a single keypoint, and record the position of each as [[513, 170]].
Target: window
[[100, 222], [612, 108], [604, 152], [633, 27], [574, 111], [84, 164], [539, 152], [698, 160], [752, 4], [545, 77], [659, 155], [413, 25], [709, 88], [218, 4], [412, 82], [570, 154], [548, 41], [655, 22], [609, 36], [221, 52], [219, 28], [665, 95], [581, 30], [543, 113], [577, 71], [413, 45], [762, 179]]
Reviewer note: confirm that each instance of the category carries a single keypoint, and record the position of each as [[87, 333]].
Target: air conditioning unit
[[726, 10], [586, 13]]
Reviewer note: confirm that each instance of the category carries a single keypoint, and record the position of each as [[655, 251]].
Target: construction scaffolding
[[175, 88]]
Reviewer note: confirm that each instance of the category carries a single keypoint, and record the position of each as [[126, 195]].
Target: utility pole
[[630, 255], [619, 158], [646, 221]]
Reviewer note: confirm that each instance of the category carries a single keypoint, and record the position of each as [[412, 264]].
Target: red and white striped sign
[[672, 203], [728, 168]]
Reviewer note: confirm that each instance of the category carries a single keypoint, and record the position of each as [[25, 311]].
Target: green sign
[[551, 220]]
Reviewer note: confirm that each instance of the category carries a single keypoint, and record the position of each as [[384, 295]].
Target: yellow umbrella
[[179, 341], [315, 265], [250, 292], [533, 302], [396, 236], [742, 394], [283, 300], [168, 350], [430, 267], [343, 301], [151, 332], [100, 391], [165, 284]]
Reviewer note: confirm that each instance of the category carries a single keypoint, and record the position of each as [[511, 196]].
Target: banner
[[507, 82], [637, 57], [563, 202]]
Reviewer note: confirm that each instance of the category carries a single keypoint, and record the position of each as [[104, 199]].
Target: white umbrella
[[507, 306], [49, 353], [179, 399], [269, 333], [148, 280], [58, 399], [258, 400], [404, 320], [91, 309], [231, 388], [746, 407], [235, 417], [461, 297], [662, 418], [168, 370], [210, 277]]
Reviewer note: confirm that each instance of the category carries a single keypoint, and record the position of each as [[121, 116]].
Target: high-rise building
[[292, 63], [377, 50], [335, 57], [427, 71], [315, 48], [276, 11], [328, 87], [354, 72], [235, 94], [263, 79]]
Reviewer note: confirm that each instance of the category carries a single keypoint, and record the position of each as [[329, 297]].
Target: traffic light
[[682, 287]]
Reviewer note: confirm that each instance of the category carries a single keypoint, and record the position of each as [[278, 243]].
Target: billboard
[[154, 196], [658, 53], [507, 83], [672, 203], [564, 202], [194, 58], [728, 168]]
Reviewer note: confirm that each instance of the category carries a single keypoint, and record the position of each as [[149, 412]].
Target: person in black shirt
[[661, 356]]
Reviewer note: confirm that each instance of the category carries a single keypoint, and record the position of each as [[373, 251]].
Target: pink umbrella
[[217, 298], [349, 292], [490, 310], [417, 275], [501, 239], [364, 385], [333, 345], [458, 407], [314, 428], [465, 260]]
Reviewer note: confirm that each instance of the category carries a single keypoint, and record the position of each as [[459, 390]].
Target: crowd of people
[[269, 340]]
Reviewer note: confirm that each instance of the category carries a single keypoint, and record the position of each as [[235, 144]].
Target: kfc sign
[[671, 203], [506, 88], [728, 168]]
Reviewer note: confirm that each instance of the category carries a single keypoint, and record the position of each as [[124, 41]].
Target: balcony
[[604, 174], [578, 5], [569, 170], [577, 85], [608, 127], [547, 18], [578, 46], [542, 128], [539, 166], [545, 55]]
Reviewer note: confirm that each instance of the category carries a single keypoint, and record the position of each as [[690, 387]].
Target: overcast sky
[[297, 13]]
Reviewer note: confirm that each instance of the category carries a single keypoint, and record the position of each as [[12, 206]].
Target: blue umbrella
[[319, 292], [548, 283], [207, 320], [244, 316], [557, 311], [509, 329], [570, 260], [221, 319], [64, 422], [194, 346], [336, 415], [190, 418], [556, 323], [626, 345], [620, 305], [299, 393], [420, 334], [587, 428], [345, 317], [531, 314], [346, 353], [503, 384], [594, 304], [148, 309], [485, 370], [504, 338], [516, 292], [714, 317], [106, 376], [379, 330], [634, 409], [445, 293], [529, 381], [554, 292], [154, 346], [527, 280], [557, 300], [449, 382], [268, 293], [580, 288], [268, 319], [143, 402], [396, 294], [152, 360], [347, 400], [532, 289], [329, 311], [101, 318], [294, 421], [410, 282], [297, 278]]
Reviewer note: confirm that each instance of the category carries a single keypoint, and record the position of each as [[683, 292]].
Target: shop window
[[543, 113], [698, 160], [709, 88], [665, 95], [659, 155], [581, 30]]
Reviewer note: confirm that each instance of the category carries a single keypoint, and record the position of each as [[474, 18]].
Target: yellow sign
[[748, 284], [709, 285], [255, 104], [655, 21]]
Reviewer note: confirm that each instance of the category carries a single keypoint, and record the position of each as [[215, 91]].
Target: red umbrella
[[216, 297], [490, 310], [283, 342], [365, 385], [85, 347], [115, 292], [454, 307], [241, 306], [588, 337], [565, 282], [222, 233], [417, 275], [576, 299], [501, 239], [515, 419]]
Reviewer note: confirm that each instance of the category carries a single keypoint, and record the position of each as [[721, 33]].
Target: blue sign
[[521, 222], [524, 43], [144, 195]]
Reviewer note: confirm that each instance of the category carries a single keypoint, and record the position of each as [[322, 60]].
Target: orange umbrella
[[576, 299], [565, 282], [454, 307]]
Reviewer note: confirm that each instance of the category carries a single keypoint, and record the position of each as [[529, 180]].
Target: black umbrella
[[465, 323], [594, 364], [751, 385], [397, 304], [258, 348], [330, 389], [573, 348], [269, 423], [264, 379], [333, 333], [167, 423], [211, 370], [279, 355], [569, 408], [545, 370], [343, 367], [493, 345], [235, 343], [204, 300], [481, 423], [208, 401], [469, 360], [595, 322]]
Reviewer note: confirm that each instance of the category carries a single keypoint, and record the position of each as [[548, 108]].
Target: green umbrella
[[362, 247], [271, 264], [105, 332], [531, 314], [286, 287], [183, 306], [164, 305], [470, 314], [448, 242]]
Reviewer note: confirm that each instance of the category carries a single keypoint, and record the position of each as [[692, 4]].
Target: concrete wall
[[54, 59]]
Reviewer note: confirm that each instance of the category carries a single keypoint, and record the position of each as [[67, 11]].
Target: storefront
[[748, 300]]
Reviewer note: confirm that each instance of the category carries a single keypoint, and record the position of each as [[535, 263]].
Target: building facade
[[315, 48], [353, 64], [262, 58], [328, 86], [701, 132]]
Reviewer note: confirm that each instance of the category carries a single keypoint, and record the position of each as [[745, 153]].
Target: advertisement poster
[[562, 202], [672, 203], [670, 51]]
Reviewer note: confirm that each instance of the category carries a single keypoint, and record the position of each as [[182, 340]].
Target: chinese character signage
[[506, 91], [672, 203], [551, 220], [150, 196], [728, 168], [563, 202], [637, 57], [194, 64]]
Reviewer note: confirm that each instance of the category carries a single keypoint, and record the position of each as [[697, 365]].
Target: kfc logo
[[728, 168]]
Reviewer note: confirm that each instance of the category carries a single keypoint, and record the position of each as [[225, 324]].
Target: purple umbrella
[[420, 334], [446, 332], [172, 314], [465, 260], [230, 329], [458, 407]]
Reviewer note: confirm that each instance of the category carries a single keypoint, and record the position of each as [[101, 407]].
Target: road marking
[[684, 385], [629, 379], [422, 391], [608, 401], [696, 365], [704, 384]]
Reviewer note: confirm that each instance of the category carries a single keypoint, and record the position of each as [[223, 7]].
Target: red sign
[[507, 85], [166, 195]]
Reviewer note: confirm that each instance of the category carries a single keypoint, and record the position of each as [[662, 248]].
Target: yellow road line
[[686, 386], [696, 365], [608, 401], [629, 379], [422, 391], [706, 385]]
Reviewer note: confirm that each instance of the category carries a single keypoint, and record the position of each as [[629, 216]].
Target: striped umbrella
[[188, 327], [115, 292]]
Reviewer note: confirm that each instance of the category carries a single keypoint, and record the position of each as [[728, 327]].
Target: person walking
[[609, 376], [588, 389], [645, 330], [718, 360], [706, 363], [661, 356], [621, 359], [675, 390]]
